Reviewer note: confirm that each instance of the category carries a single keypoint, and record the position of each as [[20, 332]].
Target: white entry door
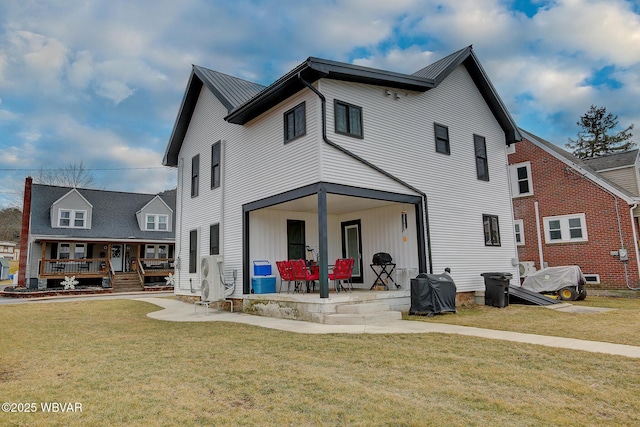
[[116, 257]]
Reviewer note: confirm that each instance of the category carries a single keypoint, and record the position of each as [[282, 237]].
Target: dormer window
[[72, 219], [157, 222]]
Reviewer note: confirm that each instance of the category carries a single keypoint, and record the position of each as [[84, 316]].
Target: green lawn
[[126, 369], [618, 326]]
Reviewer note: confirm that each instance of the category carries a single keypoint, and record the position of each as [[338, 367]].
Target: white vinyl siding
[[625, 178], [401, 142], [565, 228], [256, 164]]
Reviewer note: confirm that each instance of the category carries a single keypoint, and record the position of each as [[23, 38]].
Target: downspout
[[539, 235], [370, 165], [635, 241]]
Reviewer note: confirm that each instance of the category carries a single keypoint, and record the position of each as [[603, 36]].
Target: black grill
[[381, 258]]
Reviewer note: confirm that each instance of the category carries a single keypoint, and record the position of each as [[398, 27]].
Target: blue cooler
[[263, 284], [261, 268]]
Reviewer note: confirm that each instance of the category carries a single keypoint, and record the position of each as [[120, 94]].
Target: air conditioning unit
[[211, 287], [526, 268]]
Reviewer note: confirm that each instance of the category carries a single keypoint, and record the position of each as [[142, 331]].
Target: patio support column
[[323, 245]]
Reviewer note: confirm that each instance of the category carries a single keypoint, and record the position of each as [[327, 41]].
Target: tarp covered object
[[553, 279], [432, 294]]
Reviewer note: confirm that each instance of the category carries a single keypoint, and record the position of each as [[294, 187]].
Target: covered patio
[[337, 221]]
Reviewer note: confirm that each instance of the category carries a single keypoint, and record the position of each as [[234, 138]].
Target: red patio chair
[[342, 270], [286, 274]]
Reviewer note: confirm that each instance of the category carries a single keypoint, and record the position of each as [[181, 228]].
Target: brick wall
[[560, 190]]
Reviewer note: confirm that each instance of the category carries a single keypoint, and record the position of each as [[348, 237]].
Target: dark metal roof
[[231, 91], [439, 70], [576, 162], [114, 214], [314, 69], [613, 161], [246, 101]]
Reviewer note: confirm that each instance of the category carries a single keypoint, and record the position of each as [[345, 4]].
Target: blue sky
[[100, 82]]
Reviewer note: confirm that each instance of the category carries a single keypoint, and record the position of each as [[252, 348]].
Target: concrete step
[[363, 308], [361, 319]]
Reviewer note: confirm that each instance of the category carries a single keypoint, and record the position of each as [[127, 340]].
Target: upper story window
[[482, 162], [491, 230], [215, 165], [195, 175], [69, 218], [295, 122], [157, 223], [518, 229], [521, 183], [442, 139], [565, 228], [214, 239], [348, 119]]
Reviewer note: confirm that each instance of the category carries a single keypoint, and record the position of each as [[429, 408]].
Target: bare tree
[[73, 175]]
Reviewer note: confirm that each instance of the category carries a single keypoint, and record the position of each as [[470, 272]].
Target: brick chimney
[[24, 233]]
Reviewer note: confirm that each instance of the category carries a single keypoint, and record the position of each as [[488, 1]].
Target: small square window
[[348, 119], [65, 218], [442, 139], [295, 122]]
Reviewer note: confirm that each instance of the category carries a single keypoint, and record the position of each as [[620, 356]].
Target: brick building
[[566, 213]]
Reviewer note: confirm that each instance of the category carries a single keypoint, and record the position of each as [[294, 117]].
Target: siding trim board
[[322, 189]]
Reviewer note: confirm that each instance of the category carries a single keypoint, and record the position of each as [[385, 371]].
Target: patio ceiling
[[336, 204]]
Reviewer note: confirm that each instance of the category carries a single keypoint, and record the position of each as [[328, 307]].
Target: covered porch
[[102, 262], [323, 222]]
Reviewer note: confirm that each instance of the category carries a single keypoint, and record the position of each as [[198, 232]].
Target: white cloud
[[114, 90], [30, 136], [81, 70], [399, 60], [601, 30]]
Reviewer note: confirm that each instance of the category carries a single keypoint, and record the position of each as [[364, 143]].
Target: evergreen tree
[[595, 138]]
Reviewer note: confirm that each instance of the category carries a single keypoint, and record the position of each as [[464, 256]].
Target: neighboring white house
[[9, 250], [350, 161]]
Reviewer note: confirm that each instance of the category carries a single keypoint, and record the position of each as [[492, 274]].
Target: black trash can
[[496, 289]]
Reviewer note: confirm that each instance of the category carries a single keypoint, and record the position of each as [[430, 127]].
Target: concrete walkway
[[178, 311]]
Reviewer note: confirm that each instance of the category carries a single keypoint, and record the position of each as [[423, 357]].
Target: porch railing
[[156, 266], [61, 267]]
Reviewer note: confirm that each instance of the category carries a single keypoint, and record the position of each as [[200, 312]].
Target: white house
[[350, 161]]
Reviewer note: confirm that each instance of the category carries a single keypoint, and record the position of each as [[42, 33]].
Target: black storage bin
[[496, 289], [432, 294]]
